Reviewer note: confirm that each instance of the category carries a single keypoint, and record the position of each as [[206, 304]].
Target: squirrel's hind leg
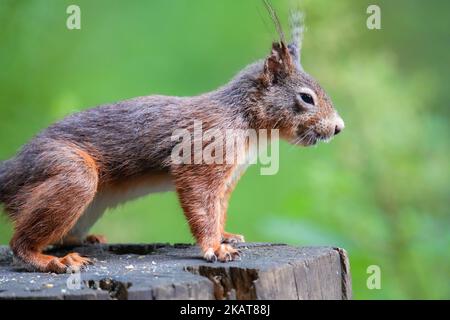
[[48, 210]]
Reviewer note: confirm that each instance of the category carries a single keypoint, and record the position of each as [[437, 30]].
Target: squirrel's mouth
[[309, 137]]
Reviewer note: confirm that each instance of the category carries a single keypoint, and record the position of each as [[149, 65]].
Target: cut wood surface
[[163, 271]]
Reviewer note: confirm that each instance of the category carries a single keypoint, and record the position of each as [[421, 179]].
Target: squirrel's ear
[[278, 64]]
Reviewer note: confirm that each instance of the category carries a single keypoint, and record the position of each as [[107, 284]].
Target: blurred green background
[[380, 189]]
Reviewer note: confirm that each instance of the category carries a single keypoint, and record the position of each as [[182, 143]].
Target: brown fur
[[63, 180], [49, 209]]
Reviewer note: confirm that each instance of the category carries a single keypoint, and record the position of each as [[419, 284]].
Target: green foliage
[[380, 189]]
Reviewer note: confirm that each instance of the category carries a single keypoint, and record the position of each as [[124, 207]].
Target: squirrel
[[60, 183]]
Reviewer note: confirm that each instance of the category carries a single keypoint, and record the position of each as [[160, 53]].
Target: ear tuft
[[279, 63], [297, 29]]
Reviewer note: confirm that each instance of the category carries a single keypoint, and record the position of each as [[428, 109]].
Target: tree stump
[[163, 271]]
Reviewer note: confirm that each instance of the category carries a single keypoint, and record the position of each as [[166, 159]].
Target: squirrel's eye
[[307, 98]]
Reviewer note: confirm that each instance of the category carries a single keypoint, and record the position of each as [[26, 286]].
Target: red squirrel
[[60, 183]]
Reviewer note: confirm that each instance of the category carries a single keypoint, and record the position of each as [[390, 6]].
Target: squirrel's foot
[[95, 238], [72, 261], [232, 238], [45, 263], [223, 253]]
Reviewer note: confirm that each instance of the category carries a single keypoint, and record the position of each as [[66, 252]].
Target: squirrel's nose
[[339, 126]]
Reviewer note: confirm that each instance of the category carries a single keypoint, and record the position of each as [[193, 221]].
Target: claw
[[87, 261], [74, 262], [210, 256], [232, 238]]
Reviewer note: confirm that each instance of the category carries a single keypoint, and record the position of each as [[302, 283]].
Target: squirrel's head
[[290, 99]]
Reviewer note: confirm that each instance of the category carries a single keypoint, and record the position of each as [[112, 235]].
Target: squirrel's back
[[117, 135], [126, 138], [120, 135]]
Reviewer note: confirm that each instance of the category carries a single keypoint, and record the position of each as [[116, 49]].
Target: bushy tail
[[4, 177], [10, 180], [2, 180]]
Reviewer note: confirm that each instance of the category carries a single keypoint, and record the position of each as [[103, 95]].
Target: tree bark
[[163, 271]]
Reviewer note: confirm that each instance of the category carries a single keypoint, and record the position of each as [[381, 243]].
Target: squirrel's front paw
[[232, 238], [223, 253]]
